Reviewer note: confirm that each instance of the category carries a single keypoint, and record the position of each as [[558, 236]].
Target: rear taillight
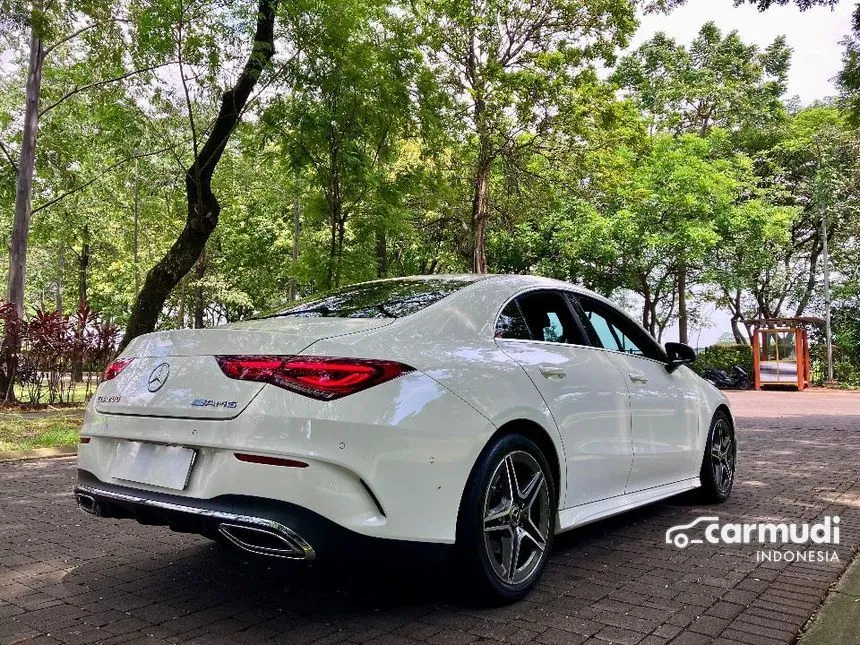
[[113, 370], [320, 377]]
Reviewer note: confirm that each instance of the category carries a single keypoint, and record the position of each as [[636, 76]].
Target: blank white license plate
[[153, 464]]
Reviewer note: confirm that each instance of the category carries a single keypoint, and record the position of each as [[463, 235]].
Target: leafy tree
[[203, 206], [351, 103], [849, 77], [507, 64], [812, 167], [50, 29], [718, 82], [666, 217], [753, 236]]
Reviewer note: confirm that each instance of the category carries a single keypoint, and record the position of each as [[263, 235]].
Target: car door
[[663, 405], [583, 389]]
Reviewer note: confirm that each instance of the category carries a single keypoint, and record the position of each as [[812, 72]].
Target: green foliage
[[380, 120], [845, 325], [340, 127], [724, 357], [849, 77], [719, 81]]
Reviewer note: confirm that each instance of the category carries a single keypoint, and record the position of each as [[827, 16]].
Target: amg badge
[[210, 403]]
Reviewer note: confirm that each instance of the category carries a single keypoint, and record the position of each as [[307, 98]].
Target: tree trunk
[[77, 367], [136, 225], [736, 331], [83, 266], [203, 206], [61, 266], [11, 345], [297, 232], [683, 322], [341, 232], [737, 318], [180, 315], [381, 254], [480, 215], [646, 306], [26, 169], [336, 223], [199, 304]]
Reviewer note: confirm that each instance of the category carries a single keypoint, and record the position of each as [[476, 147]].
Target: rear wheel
[[507, 520], [720, 460]]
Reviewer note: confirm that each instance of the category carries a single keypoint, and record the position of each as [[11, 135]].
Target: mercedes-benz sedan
[[479, 414]]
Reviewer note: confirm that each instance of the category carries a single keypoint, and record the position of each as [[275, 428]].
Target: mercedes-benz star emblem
[[157, 377]]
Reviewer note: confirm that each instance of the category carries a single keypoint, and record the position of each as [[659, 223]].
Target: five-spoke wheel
[[516, 517], [507, 519], [720, 462]]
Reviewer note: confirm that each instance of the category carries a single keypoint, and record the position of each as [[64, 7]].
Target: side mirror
[[679, 354]]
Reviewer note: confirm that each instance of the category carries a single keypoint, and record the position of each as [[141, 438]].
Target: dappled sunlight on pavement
[[83, 579]]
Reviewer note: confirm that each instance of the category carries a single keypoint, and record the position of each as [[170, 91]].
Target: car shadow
[[186, 572]]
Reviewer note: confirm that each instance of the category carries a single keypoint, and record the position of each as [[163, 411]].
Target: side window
[[606, 334], [612, 330], [549, 319], [511, 323]]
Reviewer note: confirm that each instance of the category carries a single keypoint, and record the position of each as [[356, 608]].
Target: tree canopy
[[197, 162]]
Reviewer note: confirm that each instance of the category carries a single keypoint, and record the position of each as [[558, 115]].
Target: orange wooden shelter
[[781, 352]]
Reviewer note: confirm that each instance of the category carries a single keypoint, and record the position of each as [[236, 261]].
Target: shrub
[[53, 347], [724, 357]]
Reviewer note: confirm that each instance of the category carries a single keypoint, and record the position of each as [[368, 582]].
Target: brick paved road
[[67, 577]]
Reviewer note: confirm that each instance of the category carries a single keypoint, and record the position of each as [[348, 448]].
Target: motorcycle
[[735, 379]]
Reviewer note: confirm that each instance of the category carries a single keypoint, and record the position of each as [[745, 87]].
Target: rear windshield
[[383, 299]]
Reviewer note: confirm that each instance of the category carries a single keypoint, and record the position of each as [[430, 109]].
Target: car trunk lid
[[175, 373]]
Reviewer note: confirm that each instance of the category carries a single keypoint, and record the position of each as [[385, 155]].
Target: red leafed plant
[[50, 345], [56, 351]]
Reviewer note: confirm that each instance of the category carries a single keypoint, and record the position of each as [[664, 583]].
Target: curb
[[38, 453], [837, 619]]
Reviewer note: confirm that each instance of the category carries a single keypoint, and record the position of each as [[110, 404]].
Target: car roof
[[515, 281]]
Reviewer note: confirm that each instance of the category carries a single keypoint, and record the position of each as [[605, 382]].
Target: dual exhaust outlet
[[253, 535]]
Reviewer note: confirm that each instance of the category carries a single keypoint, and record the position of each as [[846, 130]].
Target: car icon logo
[[677, 536], [158, 377]]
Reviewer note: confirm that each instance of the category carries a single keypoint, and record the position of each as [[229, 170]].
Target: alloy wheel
[[723, 455], [516, 518]]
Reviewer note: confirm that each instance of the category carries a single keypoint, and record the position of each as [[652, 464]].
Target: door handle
[[553, 372], [638, 377]]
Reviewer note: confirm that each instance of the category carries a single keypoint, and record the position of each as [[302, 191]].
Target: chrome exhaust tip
[[87, 503], [265, 541]]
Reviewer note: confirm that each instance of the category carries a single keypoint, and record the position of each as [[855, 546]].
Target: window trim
[[563, 294], [516, 302]]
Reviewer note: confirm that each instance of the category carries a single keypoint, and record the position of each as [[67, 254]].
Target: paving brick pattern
[[69, 578]]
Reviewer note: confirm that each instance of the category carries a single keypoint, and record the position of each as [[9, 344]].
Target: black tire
[[485, 524], [719, 463]]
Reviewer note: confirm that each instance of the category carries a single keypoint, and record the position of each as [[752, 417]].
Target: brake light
[[319, 377], [113, 370]]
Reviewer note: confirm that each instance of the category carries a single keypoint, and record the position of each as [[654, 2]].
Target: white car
[[487, 413]]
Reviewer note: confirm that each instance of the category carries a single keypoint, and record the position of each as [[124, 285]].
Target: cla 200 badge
[[209, 403]]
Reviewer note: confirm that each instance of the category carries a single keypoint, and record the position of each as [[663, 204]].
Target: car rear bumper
[[391, 462], [257, 525]]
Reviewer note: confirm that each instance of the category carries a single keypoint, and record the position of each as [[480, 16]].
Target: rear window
[[382, 299]]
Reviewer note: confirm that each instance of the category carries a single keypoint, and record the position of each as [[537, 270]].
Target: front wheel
[[720, 460], [507, 520]]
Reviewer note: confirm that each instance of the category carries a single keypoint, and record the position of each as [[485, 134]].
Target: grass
[[39, 430], [78, 393]]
